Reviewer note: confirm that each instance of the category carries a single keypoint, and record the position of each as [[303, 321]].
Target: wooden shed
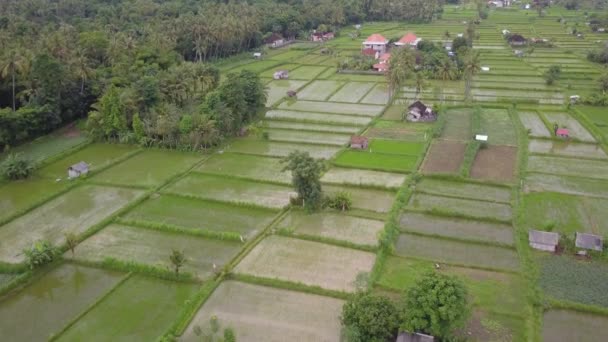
[[543, 241]]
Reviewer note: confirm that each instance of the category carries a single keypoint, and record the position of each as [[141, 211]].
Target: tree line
[[60, 57]]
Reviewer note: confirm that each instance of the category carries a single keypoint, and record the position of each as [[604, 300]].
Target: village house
[[414, 337], [543, 241], [419, 112], [359, 142], [281, 74], [383, 62], [589, 241], [78, 170], [376, 42], [409, 39], [517, 40], [499, 3], [275, 40], [321, 36]]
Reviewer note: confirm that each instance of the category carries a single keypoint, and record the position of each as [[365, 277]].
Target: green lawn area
[[396, 147], [566, 214], [377, 161], [141, 309], [565, 278]]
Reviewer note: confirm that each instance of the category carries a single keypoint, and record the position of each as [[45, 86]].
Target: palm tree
[[471, 68], [13, 64], [84, 72], [420, 83], [178, 260], [401, 66], [446, 35], [445, 72]]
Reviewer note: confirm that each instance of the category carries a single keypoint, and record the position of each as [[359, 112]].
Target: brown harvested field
[[310, 263], [444, 157], [496, 163]]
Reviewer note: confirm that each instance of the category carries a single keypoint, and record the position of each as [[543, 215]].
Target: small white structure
[[574, 99], [281, 74], [543, 241], [485, 68], [505, 32], [78, 170], [589, 241], [257, 55], [481, 137], [460, 35], [358, 26], [601, 29], [527, 6]]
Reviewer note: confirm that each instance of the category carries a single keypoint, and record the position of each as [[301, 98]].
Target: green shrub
[[40, 254], [341, 200], [16, 166], [370, 318]]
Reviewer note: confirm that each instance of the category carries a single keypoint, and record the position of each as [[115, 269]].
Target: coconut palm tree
[[12, 64], [472, 65], [401, 66], [82, 69], [420, 83], [445, 73]]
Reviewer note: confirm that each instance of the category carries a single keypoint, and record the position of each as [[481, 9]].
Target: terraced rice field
[[534, 124], [359, 177], [232, 190], [457, 253], [567, 149], [456, 228], [352, 92], [322, 118], [335, 226], [278, 89], [444, 157], [307, 137], [334, 108], [569, 167], [246, 166], [187, 213], [565, 325], [74, 212], [279, 149], [576, 130], [319, 90], [20, 195], [263, 313], [310, 263], [568, 185], [376, 161], [462, 207], [150, 247], [467, 190]]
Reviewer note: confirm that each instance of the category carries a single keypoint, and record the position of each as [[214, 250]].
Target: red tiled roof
[[357, 139], [409, 38], [369, 52], [562, 131], [385, 56], [376, 38]]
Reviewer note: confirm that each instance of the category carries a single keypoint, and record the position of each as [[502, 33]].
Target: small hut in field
[[78, 170], [359, 142]]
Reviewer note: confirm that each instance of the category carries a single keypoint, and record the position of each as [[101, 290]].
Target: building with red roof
[[377, 42], [409, 39]]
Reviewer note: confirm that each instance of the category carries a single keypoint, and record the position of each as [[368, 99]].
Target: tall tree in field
[[401, 66], [178, 259], [71, 241], [82, 69], [420, 83], [446, 72], [472, 65], [435, 305], [306, 178], [12, 64]]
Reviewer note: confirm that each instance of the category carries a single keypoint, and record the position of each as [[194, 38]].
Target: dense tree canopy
[[143, 58], [370, 318]]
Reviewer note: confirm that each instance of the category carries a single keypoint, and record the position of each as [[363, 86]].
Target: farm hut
[[292, 93], [78, 169], [359, 142], [481, 137], [275, 40], [516, 40], [562, 133], [589, 241], [321, 36], [257, 55], [574, 99], [518, 53], [281, 74], [505, 32], [419, 112], [543, 241], [414, 337], [485, 68], [377, 42]]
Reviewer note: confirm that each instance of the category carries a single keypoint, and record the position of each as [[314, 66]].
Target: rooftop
[[589, 241], [543, 238], [376, 38], [409, 38]]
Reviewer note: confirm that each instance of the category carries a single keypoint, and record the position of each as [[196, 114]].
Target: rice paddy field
[[264, 267]]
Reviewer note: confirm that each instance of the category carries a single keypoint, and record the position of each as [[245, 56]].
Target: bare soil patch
[[444, 157], [496, 163]]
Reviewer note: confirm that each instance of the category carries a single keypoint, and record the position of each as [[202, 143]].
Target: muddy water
[[47, 305]]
